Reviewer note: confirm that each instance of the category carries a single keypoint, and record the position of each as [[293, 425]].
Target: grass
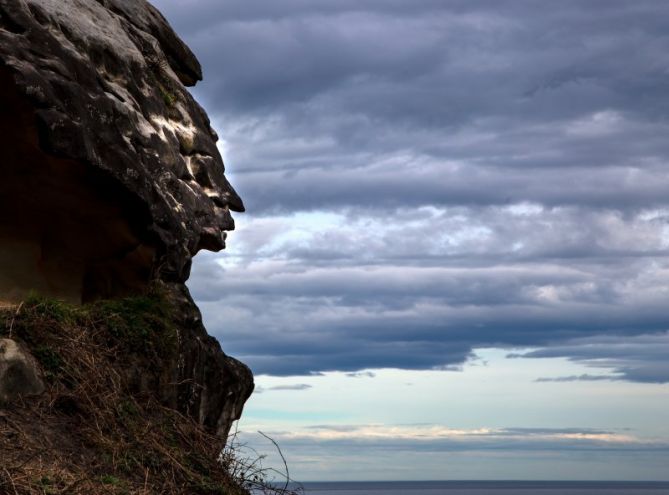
[[101, 426], [165, 85], [169, 98]]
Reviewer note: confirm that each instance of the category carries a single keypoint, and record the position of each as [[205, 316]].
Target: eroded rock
[[20, 374], [211, 386], [110, 178], [110, 174]]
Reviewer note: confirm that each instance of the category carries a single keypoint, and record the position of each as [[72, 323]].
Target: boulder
[[20, 374]]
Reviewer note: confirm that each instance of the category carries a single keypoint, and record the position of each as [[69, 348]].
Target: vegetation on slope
[[100, 427]]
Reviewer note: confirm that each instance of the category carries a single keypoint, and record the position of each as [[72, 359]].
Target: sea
[[487, 488]]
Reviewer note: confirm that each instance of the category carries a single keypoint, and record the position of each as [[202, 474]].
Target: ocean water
[[486, 488]]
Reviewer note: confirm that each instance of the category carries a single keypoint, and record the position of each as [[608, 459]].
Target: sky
[[454, 262]]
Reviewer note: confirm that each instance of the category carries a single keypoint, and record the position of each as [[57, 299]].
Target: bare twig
[[146, 481], [11, 480], [11, 325], [285, 464]]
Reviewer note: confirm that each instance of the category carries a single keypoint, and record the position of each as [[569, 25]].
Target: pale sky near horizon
[[455, 259]]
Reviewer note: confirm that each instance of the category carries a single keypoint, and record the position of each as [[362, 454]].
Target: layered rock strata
[[110, 178]]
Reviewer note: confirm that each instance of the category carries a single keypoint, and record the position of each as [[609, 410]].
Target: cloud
[[641, 358], [361, 374], [406, 311], [426, 178], [579, 378], [299, 386], [296, 387], [436, 451], [374, 104], [441, 438]]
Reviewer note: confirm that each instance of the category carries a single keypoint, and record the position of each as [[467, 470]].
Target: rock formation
[[110, 172], [110, 178], [19, 372]]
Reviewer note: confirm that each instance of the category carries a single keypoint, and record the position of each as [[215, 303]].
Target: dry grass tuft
[[101, 427]]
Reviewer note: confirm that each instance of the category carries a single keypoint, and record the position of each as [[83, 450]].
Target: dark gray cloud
[[361, 374], [380, 104], [579, 378], [425, 178], [641, 358], [297, 387], [297, 315]]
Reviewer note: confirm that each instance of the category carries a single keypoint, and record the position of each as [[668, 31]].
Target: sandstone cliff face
[[110, 168], [110, 178]]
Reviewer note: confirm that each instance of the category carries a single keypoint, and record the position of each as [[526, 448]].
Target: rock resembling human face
[[113, 176]]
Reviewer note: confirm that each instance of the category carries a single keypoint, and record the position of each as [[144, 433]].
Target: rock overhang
[[113, 177]]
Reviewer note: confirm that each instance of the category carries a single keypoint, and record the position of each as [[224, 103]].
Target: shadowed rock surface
[[110, 173], [110, 180], [19, 372], [98, 399]]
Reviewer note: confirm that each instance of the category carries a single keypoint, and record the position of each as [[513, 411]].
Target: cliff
[[110, 183]]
